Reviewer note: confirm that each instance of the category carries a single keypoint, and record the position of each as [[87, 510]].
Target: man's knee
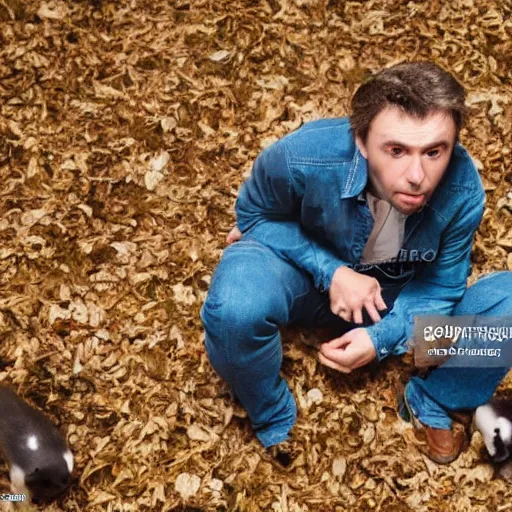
[[499, 283], [491, 295], [237, 313], [499, 276], [240, 305]]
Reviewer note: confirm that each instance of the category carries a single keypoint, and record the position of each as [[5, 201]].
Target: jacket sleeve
[[438, 288], [268, 210]]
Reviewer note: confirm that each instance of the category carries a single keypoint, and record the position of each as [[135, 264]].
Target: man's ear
[[361, 146]]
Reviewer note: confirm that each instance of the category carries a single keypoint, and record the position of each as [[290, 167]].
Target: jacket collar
[[357, 176]]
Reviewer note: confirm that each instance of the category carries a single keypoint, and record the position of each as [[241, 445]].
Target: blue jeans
[[449, 388], [253, 293]]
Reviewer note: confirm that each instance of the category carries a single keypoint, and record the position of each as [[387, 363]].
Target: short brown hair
[[418, 88]]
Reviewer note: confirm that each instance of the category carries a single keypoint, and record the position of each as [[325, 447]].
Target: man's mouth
[[412, 199]]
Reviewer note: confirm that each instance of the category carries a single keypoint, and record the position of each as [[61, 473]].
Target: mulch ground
[[126, 129]]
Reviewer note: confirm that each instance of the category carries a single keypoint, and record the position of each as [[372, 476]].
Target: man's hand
[[234, 235], [350, 292], [352, 350]]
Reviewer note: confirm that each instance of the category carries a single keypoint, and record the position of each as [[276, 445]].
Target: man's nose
[[415, 172]]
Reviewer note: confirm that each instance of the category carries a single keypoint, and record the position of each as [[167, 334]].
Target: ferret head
[[46, 482], [496, 431], [502, 440]]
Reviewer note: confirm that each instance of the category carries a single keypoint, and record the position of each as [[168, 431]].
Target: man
[[358, 223]]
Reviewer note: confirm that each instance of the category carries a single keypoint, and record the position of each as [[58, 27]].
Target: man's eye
[[433, 153], [396, 151]]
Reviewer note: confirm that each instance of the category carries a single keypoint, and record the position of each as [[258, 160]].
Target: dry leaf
[[219, 56], [106, 91], [152, 179], [481, 473], [159, 162], [187, 485], [32, 217], [314, 396], [168, 124], [339, 467], [196, 433], [53, 10], [124, 248], [184, 294], [215, 484], [57, 312]]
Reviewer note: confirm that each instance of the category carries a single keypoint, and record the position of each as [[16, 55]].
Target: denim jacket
[[304, 199]]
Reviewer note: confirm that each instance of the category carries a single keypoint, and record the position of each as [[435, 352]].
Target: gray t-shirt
[[387, 235]]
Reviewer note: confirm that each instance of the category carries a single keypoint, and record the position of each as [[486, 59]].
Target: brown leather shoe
[[445, 445], [438, 444]]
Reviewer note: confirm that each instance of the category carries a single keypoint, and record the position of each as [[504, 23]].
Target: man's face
[[407, 157]]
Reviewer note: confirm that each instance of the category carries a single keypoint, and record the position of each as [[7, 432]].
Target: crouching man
[[358, 223]]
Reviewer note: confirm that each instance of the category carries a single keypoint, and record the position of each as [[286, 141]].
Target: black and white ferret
[[38, 457], [494, 421]]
